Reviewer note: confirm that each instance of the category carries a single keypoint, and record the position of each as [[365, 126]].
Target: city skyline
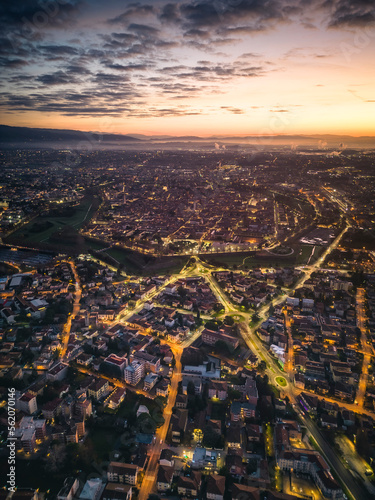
[[239, 67]]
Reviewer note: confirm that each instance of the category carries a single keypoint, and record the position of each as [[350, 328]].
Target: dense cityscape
[[189, 323], [187, 250]]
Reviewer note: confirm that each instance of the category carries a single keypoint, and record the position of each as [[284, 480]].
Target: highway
[[366, 348], [289, 361], [343, 475], [356, 491], [149, 479], [273, 370], [76, 308]]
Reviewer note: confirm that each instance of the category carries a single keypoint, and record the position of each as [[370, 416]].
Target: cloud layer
[[155, 59]]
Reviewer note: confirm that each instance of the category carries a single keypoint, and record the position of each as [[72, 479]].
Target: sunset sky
[[201, 67]]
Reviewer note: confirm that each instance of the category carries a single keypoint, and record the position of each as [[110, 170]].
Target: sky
[[189, 67]]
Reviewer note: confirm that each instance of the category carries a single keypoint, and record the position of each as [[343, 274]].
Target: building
[[178, 424], [116, 491], [98, 388], [116, 365], [92, 489], [57, 372], [119, 472], [234, 437], [116, 397], [210, 337], [83, 405], [149, 381], [134, 373], [164, 478], [196, 380], [243, 492], [241, 410], [215, 487], [166, 457], [303, 461], [69, 489], [189, 486], [181, 401], [28, 440], [152, 363], [52, 408], [162, 388], [27, 403], [218, 390]]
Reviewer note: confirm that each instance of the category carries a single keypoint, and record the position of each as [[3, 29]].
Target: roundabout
[[281, 251], [281, 381]]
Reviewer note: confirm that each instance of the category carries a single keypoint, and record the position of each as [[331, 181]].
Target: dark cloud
[[143, 30], [170, 13], [29, 16], [207, 71], [57, 78], [197, 33], [109, 78], [127, 67], [351, 13], [217, 13], [235, 111], [135, 10], [78, 69], [6, 62], [61, 50], [133, 50]]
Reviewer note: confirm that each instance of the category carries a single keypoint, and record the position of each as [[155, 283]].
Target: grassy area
[[276, 391], [94, 245], [229, 259], [32, 474], [41, 229], [303, 254], [268, 440], [122, 256], [237, 317], [281, 381], [166, 265], [103, 441], [128, 407], [218, 411]]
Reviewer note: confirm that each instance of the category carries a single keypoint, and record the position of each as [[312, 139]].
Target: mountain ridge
[[11, 134]]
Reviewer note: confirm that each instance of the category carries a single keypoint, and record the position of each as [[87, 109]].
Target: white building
[[134, 373]]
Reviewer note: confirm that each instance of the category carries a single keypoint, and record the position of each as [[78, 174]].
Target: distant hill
[[30, 135], [16, 136]]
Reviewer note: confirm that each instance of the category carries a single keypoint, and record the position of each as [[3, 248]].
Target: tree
[[262, 366], [222, 348], [190, 389], [213, 325], [56, 458], [255, 317], [362, 444], [182, 292], [212, 439], [228, 320], [218, 307], [234, 394], [252, 466]]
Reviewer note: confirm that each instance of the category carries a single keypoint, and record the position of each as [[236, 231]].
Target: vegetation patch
[[281, 381]]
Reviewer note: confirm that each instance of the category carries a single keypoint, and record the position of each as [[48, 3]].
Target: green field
[[29, 234], [103, 441], [303, 254], [234, 259], [281, 381]]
